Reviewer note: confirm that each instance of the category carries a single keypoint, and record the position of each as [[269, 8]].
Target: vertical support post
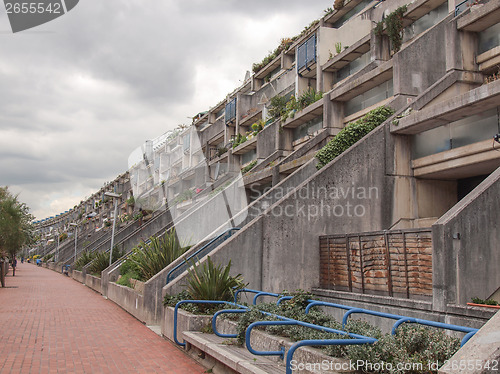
[[388, 264], [361, 267], [407, 277], [349, 276], [76, 238], [113, 232]]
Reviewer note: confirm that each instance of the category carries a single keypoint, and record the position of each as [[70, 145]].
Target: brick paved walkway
[[51, 324]]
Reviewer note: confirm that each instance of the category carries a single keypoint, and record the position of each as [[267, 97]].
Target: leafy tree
[[15, 224]]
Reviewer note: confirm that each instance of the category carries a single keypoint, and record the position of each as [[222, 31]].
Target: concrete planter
[[78, 276], [93, 282], [128, 299], [185, 322]]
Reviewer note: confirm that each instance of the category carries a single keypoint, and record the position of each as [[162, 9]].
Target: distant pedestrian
[[22, 259], [14, 265]]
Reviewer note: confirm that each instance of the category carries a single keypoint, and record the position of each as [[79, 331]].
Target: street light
[[76, 235], [115, 197]]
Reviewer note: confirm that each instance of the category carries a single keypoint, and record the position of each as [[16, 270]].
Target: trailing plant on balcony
[[183, 196], [240, 139], [285, 43], [277, 107], [350, 134], [249, 167], [258, 126], [221, 151], [63, 237], [338, 4], [148, 259], [394, 27], [308, 97], [294, 105]]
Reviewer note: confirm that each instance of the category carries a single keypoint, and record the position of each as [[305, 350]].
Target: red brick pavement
[[51, 324]]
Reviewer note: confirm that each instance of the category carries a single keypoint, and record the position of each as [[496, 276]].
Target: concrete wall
[[185, 322], [482, 348], [93, 282], [273, 255], [466, 247], [421, 63], [127, 298], [78, 276]]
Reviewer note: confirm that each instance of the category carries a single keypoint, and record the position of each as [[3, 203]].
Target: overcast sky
[[80, 93]]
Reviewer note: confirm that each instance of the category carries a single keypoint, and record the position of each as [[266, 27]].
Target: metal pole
[[57, 251], [113, 233], [76, 238]]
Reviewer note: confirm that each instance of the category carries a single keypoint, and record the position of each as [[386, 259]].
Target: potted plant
[[490, 303]]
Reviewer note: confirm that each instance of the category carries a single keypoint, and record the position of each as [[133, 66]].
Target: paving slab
[[50, 323]]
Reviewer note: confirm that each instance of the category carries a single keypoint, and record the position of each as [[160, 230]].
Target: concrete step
[[220, 356]]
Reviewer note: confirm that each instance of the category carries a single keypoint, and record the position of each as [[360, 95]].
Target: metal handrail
[[357, 339], [228, 233], [399, 319]]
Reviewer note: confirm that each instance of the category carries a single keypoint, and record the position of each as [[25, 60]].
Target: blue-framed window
[[230, 113], [306, 53]]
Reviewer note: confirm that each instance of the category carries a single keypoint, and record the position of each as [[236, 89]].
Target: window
[[346, 17], [489, 38], [306, 53], [353, 66], [249, 156], [456, 134], [186, 140], [425, 22], [308, 128], [369, 98], [230, 111]]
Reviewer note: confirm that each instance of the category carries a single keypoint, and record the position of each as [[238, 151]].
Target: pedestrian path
[[51, 324]]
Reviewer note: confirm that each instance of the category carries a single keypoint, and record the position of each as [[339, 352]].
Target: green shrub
[[128, 270], [352, 133], [149, 259], [84, 258]]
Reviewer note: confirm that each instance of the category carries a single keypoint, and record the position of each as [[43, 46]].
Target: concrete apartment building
[[405, 221]]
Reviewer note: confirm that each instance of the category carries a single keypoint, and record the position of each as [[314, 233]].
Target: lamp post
[[115, 197], [76, 236], [57, 250]]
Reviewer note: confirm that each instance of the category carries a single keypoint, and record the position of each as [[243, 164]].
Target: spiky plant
[[84, 258], [150, 258], [209, 281], [101, 261]]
